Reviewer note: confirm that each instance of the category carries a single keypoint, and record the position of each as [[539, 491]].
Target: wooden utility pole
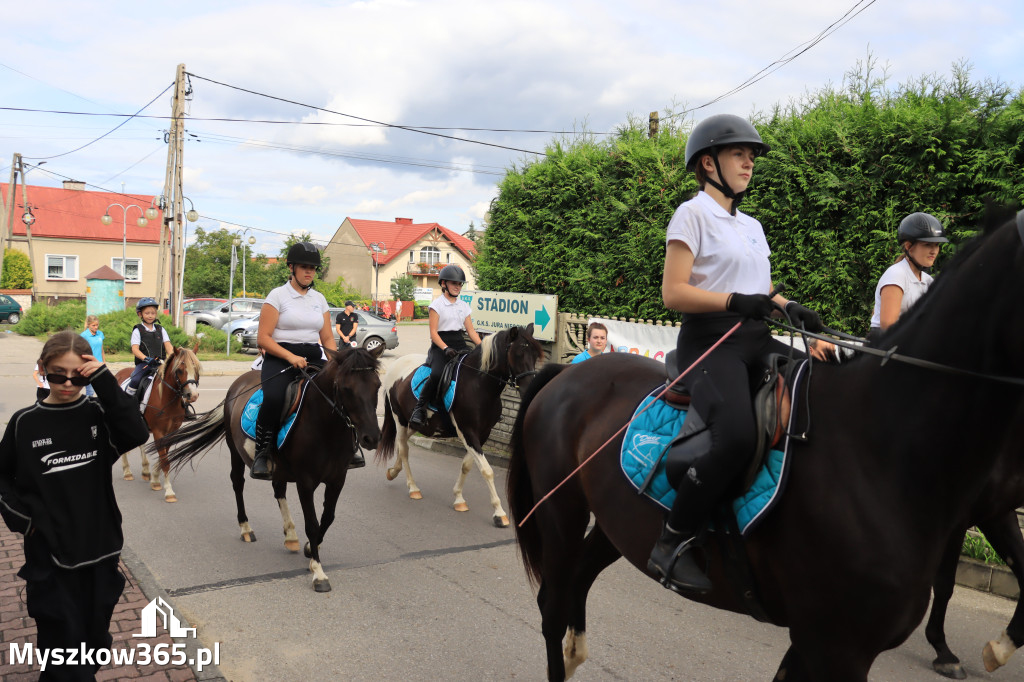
[[172, 208], [652, 125], [7, 212], [28, 225]]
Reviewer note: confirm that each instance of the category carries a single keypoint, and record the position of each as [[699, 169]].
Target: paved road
[[422, 592]]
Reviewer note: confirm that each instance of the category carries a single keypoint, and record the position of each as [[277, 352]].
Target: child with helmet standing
[[717, 273], [295, 326], [150, 343], [449, 318], [920, 236]]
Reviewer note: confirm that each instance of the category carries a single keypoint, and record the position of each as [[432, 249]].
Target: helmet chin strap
[[922, 268], [304, 287], [723, 186]]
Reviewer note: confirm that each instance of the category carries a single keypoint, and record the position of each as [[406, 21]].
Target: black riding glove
[[803, 316], [450, 353], [756, 306]]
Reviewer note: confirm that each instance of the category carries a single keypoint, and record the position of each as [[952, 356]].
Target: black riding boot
[[673, 562], [261, 462], [357, 461], [418, 417]]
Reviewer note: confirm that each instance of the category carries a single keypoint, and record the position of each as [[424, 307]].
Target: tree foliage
[[403, 288], [588, 221], [17, 273]]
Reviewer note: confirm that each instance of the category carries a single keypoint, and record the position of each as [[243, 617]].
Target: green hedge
[[588, 221]]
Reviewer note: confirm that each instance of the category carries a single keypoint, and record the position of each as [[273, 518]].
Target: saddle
[[772, 405]]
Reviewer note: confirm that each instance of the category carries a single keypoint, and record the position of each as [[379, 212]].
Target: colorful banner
[[648, 340]]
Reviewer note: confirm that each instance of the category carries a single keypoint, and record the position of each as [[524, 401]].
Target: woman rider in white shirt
[[294, 323], [449, 316], [920, 236], [717, 273]]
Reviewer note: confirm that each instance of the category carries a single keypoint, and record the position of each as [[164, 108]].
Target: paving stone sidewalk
[[17, 627]]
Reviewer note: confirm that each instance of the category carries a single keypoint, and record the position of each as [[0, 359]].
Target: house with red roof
[[69, 239], [419, 250]]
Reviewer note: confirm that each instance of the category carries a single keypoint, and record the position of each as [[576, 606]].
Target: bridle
[[179, 386], [510, 378]]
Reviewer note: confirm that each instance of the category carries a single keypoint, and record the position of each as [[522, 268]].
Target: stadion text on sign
[[493, 311]]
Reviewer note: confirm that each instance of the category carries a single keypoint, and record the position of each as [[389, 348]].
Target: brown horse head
[[513, 354], [353, 378], [181, 374]]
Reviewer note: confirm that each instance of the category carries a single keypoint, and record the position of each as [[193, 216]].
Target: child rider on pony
[[150, 343], [449, 316], [717, 274]]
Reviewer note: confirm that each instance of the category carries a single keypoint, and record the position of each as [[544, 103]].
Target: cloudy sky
[[515, 75]]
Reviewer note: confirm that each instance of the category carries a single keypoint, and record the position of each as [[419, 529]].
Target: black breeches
[[276, 374]]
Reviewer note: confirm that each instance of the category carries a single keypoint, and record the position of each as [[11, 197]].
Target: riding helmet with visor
[[304, 253], [451, 273], [146, 303], [921, 227], [714, 133]]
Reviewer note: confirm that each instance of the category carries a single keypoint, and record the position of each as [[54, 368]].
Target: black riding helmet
[[721, 130], [921, 227], [450, 273], [303, 253]]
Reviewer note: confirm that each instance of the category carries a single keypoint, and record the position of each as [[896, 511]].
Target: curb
[[995, 579], [152, 589], [453, 447]]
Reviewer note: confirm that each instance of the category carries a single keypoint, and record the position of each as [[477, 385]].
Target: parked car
[[190, 304], [237, 327], [218, 317], [10, 309], [373, 331]]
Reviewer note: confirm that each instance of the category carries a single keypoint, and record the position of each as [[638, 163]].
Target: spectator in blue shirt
[[597, 341]]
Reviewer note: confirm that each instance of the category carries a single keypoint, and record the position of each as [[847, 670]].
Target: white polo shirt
[[900, 275], [730, 253], [451, 315], [300, 316]]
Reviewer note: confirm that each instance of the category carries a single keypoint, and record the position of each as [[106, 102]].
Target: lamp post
[[141, 222], [376, 250], [231, 288], [237, 241]]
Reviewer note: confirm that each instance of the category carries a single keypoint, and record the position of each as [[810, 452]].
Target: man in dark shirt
[[346, 324]]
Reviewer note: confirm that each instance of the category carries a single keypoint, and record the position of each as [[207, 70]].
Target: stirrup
[[698, 583], [357, 461]]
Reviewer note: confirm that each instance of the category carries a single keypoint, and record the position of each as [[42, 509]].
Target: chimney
[[77, 185], [403, 221]]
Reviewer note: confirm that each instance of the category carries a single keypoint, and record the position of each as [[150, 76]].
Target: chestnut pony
[[846, 559]]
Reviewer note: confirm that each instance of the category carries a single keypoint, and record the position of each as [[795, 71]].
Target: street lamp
[[238, 241], [141, 222], [376, 250]]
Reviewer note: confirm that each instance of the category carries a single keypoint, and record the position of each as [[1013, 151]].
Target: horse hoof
[[953, 671], [248, 537], [155, 485], [145, 477], [390, 474], [291, 545], [461, 507], [129, 477], [171, 498], [322, 585], [415, 495], [500, 522], [988, 655]]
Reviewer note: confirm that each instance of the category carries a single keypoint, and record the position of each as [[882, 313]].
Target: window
[[134, 272], [430, 254], [448, 257], [62, 267], [412, 256]]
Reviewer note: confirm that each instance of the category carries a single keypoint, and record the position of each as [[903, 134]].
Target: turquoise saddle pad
[[651, 433], [419, 378], [252, 410]]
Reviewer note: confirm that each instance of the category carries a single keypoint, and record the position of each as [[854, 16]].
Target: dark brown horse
[[847, 557], [339, 414], [504, 359], [175, 387], [994, 512]]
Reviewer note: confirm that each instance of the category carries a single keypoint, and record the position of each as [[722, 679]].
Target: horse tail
[[520, 488], [192, 439], [388, 433]]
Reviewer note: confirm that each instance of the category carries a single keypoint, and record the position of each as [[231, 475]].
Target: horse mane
[[183, 356], [488, 355]]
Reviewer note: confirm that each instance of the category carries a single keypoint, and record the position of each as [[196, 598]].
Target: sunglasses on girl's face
[[59, 379]]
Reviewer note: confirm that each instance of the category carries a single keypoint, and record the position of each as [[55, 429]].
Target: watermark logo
[[159, 611]]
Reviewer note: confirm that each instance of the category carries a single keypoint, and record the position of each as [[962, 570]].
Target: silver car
[[372, 333], [237, 308]]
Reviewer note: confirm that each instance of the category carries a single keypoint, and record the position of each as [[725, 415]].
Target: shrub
[[46, 319]]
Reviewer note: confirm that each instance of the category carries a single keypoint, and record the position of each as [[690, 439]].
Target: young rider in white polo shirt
[[920, 236], [449, 316], [717, 273]]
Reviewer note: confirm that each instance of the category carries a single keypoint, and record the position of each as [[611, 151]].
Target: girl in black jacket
[[56, 489]]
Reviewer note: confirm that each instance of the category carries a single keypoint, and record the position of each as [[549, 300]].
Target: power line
[[309, 123], [38, 158], [367, 120]]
